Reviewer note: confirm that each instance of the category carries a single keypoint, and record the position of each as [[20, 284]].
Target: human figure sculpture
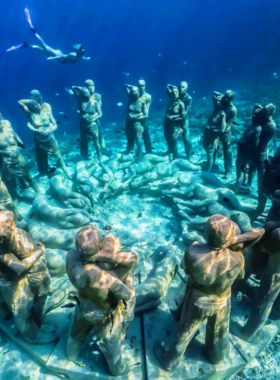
[[174, 120], [225, 135], [42, 123], [25, 278], [216, 124], [187, 100], [147, 99], [212, 269], [12, 162], [102, 275], [90, 112], [248, 145], [135, 121], [6, 201], [263, 260]]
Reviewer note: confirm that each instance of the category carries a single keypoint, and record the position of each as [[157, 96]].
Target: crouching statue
[[102, 275], [24, 279], [212, 269]]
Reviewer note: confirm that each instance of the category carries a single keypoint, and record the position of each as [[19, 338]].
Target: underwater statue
[[212, 269], [102, 275], [175, 117], [147, 99], [187, 100], [61, 189], [49, 52], [90, 112], [42, 123], [13, 164], [6, 201], [136, 120], [25, 279], [263, 260]]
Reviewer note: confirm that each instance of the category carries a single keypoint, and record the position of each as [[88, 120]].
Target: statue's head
[[219, 230], [257, 114], [34, 106], [227, 98], [183, 87], [141, 86], [7, 227], [80, 51], [88, 241], [174, 92], [134, 92], [269, 110], [36, 95], [89, 84]]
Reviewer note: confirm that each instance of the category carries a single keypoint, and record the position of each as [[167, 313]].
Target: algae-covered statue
[[147, 99], [135, 121], [102, 275], [263, 260], [90, 112], [175, 117], [187, 100], [25, 279], [212, 269], [42, 123]]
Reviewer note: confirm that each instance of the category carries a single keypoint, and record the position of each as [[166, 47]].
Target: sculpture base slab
[[92, 364], [249, 351], [40, 353], [161, 326]]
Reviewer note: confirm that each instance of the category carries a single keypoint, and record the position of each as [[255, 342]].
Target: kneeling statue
[[102, 275]]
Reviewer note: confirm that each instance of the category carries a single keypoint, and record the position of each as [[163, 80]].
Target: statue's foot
[[42, 338]]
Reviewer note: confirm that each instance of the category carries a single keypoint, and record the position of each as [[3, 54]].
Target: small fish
[[139, 215], [184, 63], [226, 199], [160, 100], [126, 74], [204, 98], [62, 113], [193, 92], [159, 55], [58, 122], [239, 297], [230, 69], [107, 228], [68, 305], [119, 104], [57, 94], [275, 75], [78, 140], [246, 316], [183, 78], [118, 131], [70, 92]]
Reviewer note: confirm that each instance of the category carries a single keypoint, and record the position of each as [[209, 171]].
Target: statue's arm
[[248, 239], [21, 266], [125, 259], [23, 105]]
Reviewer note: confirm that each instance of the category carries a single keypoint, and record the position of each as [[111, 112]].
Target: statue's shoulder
[[47, 107]]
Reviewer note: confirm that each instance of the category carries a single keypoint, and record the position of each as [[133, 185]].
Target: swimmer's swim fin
[[15, 47]]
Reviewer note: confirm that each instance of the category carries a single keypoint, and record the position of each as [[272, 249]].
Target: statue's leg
[[20, 300], [240, 170], [191, 319], [83, 141], [100, 134], [42, 160], [147, 138], [138, 138], [130, 136], [267, 294], [11, 186], [186, 139], [226, 143], [111, 346], [39, 285], [80, 329], [217, 330]]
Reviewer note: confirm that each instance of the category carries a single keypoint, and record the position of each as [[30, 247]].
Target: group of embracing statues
[[97, 267]]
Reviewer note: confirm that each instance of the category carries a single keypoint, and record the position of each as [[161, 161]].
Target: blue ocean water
[[213, 44]]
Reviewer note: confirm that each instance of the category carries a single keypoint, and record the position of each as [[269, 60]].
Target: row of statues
[[103, 277]]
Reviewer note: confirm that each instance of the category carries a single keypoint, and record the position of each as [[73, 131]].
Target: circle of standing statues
[[224, 257]]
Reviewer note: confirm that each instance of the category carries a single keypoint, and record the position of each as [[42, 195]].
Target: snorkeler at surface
[[51, 53]]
